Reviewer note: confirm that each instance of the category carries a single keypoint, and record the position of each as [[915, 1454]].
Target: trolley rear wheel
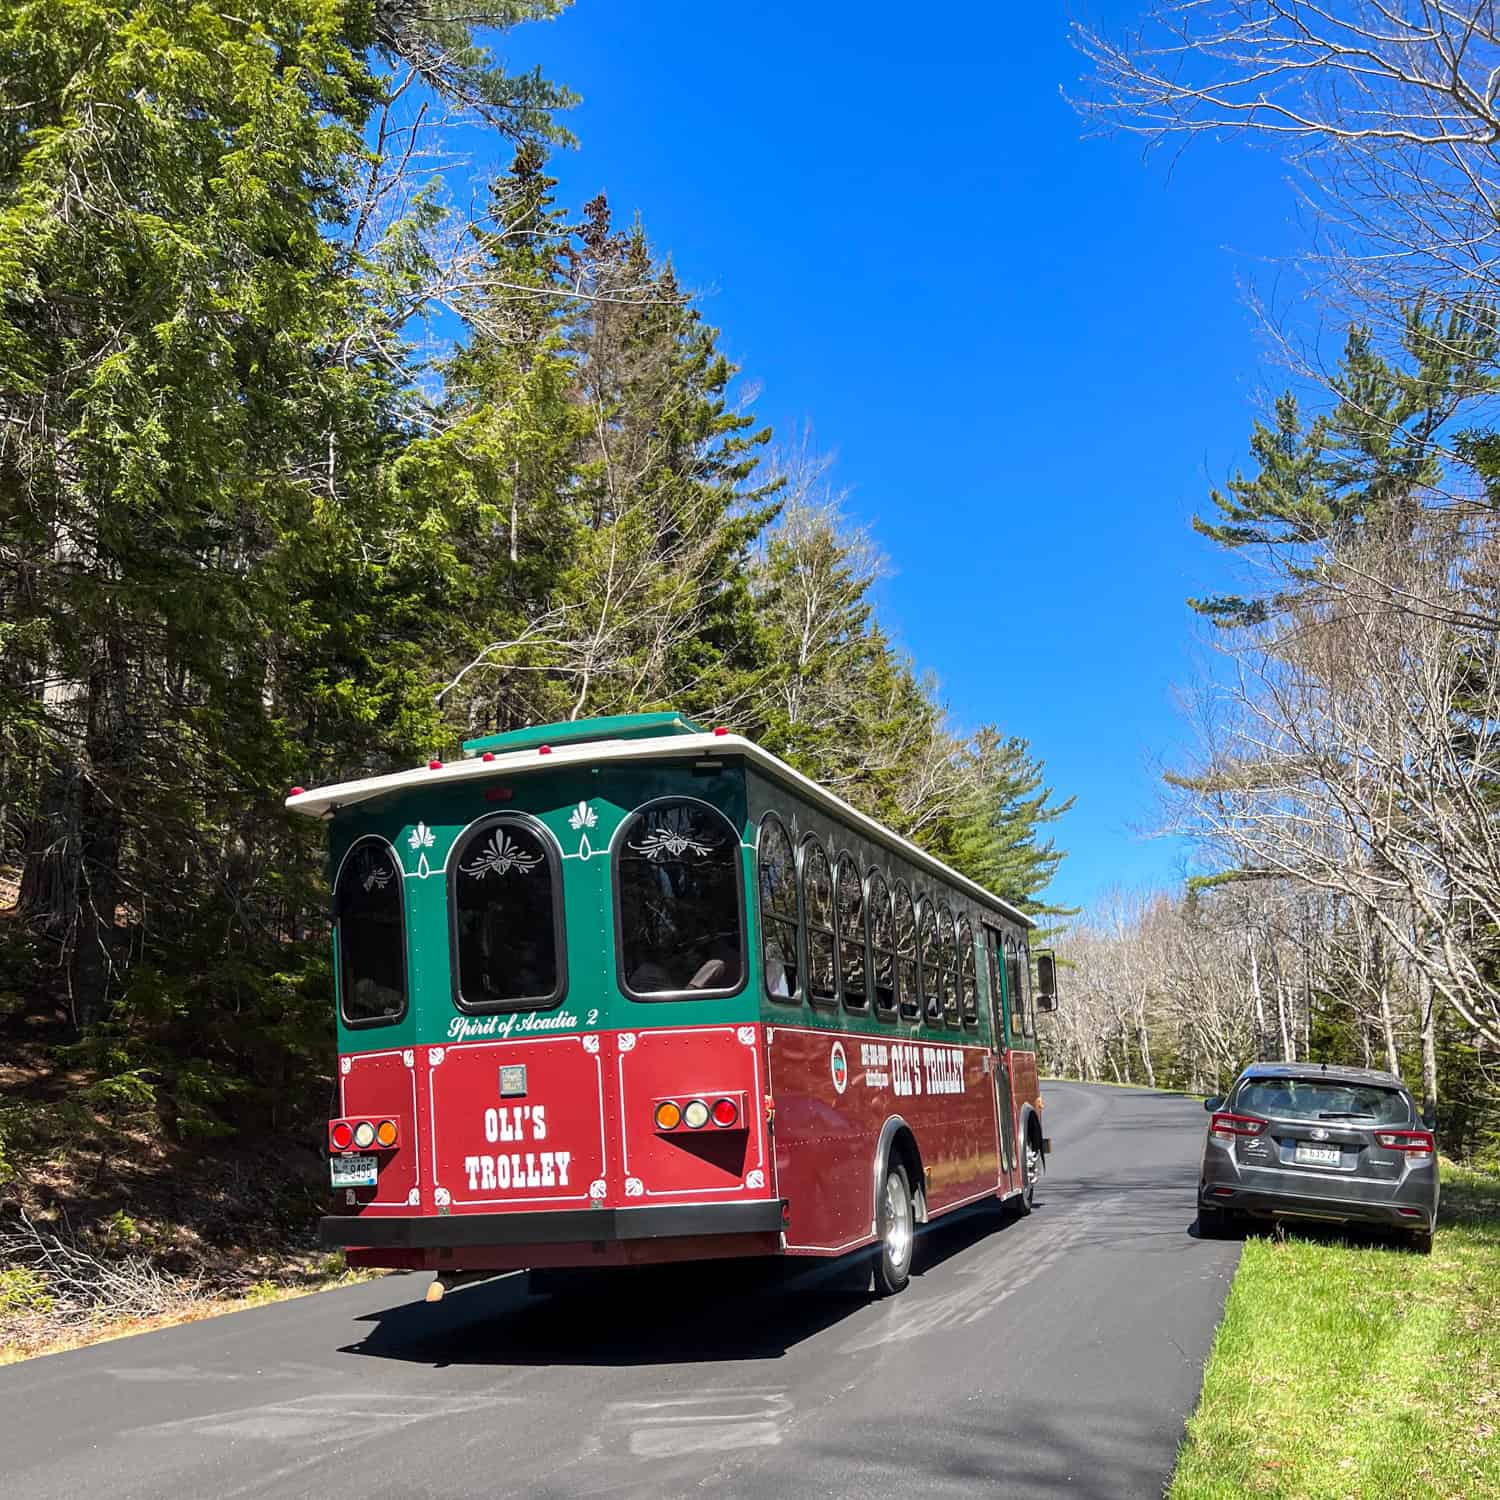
[[898, 1231]]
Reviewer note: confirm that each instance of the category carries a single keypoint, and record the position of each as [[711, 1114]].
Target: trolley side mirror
[[1046, 980]]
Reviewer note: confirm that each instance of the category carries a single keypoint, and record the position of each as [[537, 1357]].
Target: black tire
[[1214, 1224], [897, 1222], [1420, 1241], [1031, 1170]]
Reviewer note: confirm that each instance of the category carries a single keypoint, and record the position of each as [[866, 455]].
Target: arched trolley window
[[948, 938], [882, 918], [817, 910], [909, 990], [679, 912], [849, 896], [968, 992], [370, 934], [779, 921], [929, 944], [505, 903]]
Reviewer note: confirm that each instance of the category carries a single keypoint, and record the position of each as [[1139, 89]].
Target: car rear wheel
[[1421, 1241], [1214, 1223], [898, 1230]]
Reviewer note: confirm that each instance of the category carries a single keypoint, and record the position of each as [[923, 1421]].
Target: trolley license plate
[[1318, 1156], [354, 1171]]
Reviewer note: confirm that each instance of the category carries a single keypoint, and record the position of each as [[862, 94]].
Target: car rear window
[[1322, 1099]]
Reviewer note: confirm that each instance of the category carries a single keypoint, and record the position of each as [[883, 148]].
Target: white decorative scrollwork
[[671, 843], [583, 816], [755, 1179], [409, 1058], [500, 856], [434, 1056], [442, 1197], [422, 837], [627, 1041], [747, 1035], [414, 1197], [634, 1188], [597, 1188], [345, 1063], [590, 1042], [585, 849], [372, 872]]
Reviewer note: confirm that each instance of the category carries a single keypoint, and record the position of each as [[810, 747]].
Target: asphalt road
[[1052, 1355]]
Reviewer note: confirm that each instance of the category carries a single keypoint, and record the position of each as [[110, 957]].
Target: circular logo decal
[[838, 1066]]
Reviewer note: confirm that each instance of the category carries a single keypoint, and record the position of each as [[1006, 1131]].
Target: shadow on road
[[656, 1315]]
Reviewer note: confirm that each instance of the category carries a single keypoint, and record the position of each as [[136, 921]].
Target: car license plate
[[354, 1171], [1318, 1156]]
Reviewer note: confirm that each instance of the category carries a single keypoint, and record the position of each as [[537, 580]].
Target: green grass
[[1357, 1371]]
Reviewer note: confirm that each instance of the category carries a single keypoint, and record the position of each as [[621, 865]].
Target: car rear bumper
[[1263, 1204], [587, 1225]]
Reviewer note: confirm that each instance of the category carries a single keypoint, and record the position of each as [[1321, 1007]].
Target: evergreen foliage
[[252, 533]]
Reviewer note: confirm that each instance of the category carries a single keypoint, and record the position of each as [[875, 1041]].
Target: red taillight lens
[[341, 1134], [1413, 1142], [1227, 1126], [726, 1113]]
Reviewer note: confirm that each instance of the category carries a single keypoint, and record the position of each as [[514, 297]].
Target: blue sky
[[1030, 351]]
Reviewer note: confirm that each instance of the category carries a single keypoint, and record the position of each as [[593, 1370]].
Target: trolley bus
[[626, 990]]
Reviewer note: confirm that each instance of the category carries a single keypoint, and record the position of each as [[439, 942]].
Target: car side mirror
[[1046, 980], [1213, 1102]]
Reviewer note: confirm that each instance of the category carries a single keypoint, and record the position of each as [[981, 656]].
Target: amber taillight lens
[[668, 1115], [385, 1133]]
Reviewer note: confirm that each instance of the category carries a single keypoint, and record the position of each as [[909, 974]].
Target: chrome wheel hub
[[898, 1222]]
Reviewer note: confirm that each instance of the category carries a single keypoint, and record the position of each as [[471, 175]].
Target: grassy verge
[[1357, 1370]]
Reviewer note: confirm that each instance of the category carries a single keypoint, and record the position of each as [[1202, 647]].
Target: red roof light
[[434, 765], [296, 791]]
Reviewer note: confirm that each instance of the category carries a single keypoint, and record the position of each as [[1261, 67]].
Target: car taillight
[[341, 1135], [1416, 1143], [1227, 1126], [726, 1113]]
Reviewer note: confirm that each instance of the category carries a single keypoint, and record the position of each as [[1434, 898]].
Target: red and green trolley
[[624, 991]]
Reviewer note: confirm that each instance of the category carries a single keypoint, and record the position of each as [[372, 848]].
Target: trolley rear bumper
[[552, 1227]]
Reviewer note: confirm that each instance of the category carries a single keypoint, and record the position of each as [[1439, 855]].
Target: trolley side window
[[506, 901], [1013, 991], [882, 943], [908, 986], [817, 904], [679, 932], [950, 965], [778, 911], [851, 908], [930, 946], [968, 992], [370, 928]]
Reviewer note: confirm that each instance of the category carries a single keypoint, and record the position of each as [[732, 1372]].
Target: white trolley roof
[[324, 801]]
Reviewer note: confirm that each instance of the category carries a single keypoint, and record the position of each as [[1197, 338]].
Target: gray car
[[1315, 1141]]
